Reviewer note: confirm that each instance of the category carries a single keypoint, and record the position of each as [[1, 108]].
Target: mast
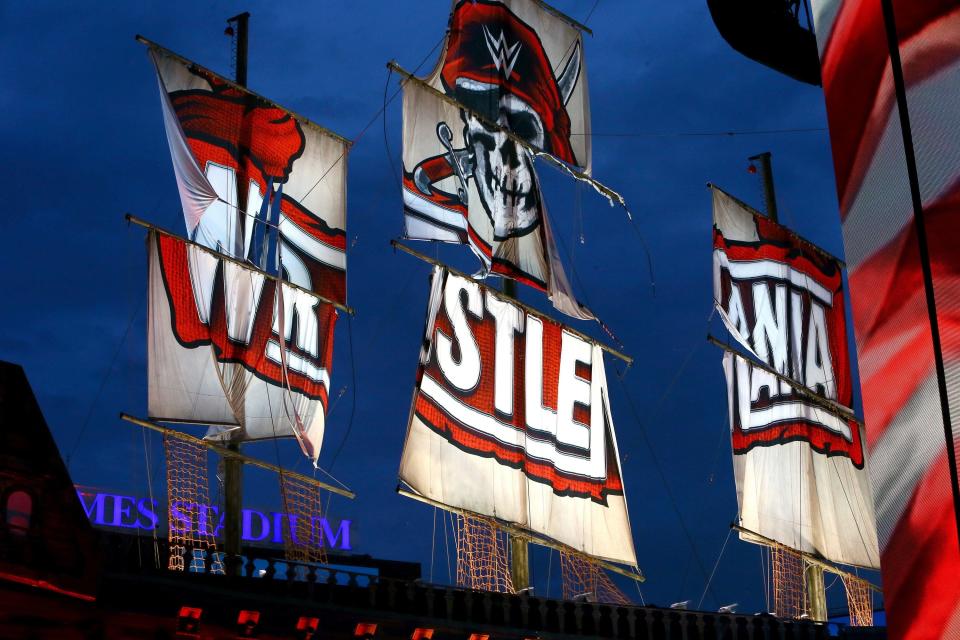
[[791, 422], [519, 547], [766, 174], [471, 413], [264, 373], [233, 465], [813, 575]]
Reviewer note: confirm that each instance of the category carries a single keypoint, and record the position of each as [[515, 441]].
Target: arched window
[[19, 510]]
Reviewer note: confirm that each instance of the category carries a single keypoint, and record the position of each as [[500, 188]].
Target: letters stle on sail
[[511, 419], [800, 467]]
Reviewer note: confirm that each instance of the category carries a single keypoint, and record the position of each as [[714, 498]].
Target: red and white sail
[[248, 150], [800, 465], [487, 197], [230, 347], [469, 150], [511, 420]]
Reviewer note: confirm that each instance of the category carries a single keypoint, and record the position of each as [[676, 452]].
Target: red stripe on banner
[[312, 224], [192, 333], [921, 563], [893, 330], [474, 443], [439, 198], [857, 87]]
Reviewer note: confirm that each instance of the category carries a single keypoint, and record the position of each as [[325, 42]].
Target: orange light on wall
[[421, 634], [365, 630]]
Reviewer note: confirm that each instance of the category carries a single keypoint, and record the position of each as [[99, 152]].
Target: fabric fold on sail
[[511, 419], [247, 150], [196, 192], [233, 348], [801, 469]]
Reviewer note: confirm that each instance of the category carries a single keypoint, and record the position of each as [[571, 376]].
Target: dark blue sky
[[83, 143]]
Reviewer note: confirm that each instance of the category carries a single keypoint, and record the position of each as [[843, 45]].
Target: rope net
[[302, 528], [482, 559], [188, 498], [789, 587], [859, 600], [582, 576]]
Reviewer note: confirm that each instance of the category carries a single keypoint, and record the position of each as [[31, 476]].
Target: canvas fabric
[[511, 419], [228, 348], [800, 465]]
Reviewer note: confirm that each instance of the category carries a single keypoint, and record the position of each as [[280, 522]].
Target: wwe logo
[[504, 57]]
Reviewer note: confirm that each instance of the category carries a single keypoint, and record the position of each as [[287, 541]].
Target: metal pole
[[233, 466], [919, 226], [243, 24], [233, 501], [519, 547], [519, 563], [816, 594], [766, 174]]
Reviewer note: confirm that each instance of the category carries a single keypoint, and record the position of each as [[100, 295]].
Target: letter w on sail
[[504, 56]]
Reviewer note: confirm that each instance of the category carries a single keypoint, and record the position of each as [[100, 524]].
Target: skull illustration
[[503, 169]]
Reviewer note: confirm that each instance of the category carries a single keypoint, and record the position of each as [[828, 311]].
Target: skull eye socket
[[524, 126], [478, 133], [485, 104]]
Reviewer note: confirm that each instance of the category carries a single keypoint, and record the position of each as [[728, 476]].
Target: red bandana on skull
[[491, 47], [235, 129]]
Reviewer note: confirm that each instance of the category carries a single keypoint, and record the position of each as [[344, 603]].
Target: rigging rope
[[106, 377], [583, 577], [353, 395], [380, 111], [146, 459], [303, 529], [859, 600], [446, 543], [789, 585], [663, 479], [386, 138], [715, 565], [483, 562], [188, 497], [701, 134], [433, 542]]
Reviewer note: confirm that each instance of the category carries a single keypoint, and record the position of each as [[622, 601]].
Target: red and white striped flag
[[902, 404]]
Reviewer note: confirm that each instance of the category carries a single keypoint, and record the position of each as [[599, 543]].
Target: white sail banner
[[485, 195], [788, 490], [271, 172], [801, 469], [520, 65], [227, 348], [511, 420]]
